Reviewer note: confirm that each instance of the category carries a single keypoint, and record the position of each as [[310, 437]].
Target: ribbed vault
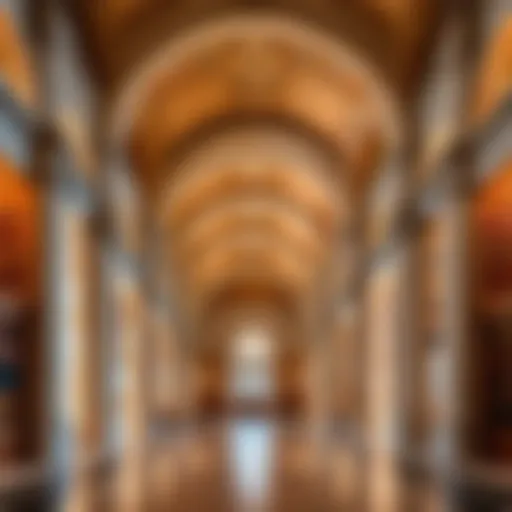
[[257, 205]]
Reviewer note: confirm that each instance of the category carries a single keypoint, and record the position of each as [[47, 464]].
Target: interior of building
[[256, 255]]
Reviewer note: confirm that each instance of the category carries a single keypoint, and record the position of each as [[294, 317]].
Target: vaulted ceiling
[[255, 128]]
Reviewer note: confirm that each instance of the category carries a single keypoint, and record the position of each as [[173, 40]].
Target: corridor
[[255, 255]]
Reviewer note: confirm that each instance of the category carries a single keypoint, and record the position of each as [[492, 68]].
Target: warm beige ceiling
[[317, 121], [319, 79], [340, 120], [237, 184], [255, 205], [265, 69], [273, 221], [391, 32]]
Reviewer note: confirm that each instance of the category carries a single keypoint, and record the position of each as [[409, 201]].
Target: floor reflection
[[251, 456], [253, 465]]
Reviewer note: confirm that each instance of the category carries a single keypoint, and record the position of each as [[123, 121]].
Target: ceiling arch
[[249, 250], [250, 171], [250, 199], [257, 205], [279, 270], [219, 192], [234, 220], [307, 76]]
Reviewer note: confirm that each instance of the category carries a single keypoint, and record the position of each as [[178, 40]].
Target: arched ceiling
[[272, 222], [253, 205], [259, 68], [255, 135]]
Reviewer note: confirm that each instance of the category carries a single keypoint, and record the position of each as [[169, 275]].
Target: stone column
[[76, 346], [129, 341], [382, 389], [318, 387], [458, 258], [128, 249], [161, 368], [429, 364]]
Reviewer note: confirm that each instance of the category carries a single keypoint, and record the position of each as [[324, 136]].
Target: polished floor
[[251, 465], [244, 465], [258, 465]]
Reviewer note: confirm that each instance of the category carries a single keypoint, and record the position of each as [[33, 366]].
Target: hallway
[[255, 255]]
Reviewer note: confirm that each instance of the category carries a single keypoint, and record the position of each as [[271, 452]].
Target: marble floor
[[245, 465], [253, 465]]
